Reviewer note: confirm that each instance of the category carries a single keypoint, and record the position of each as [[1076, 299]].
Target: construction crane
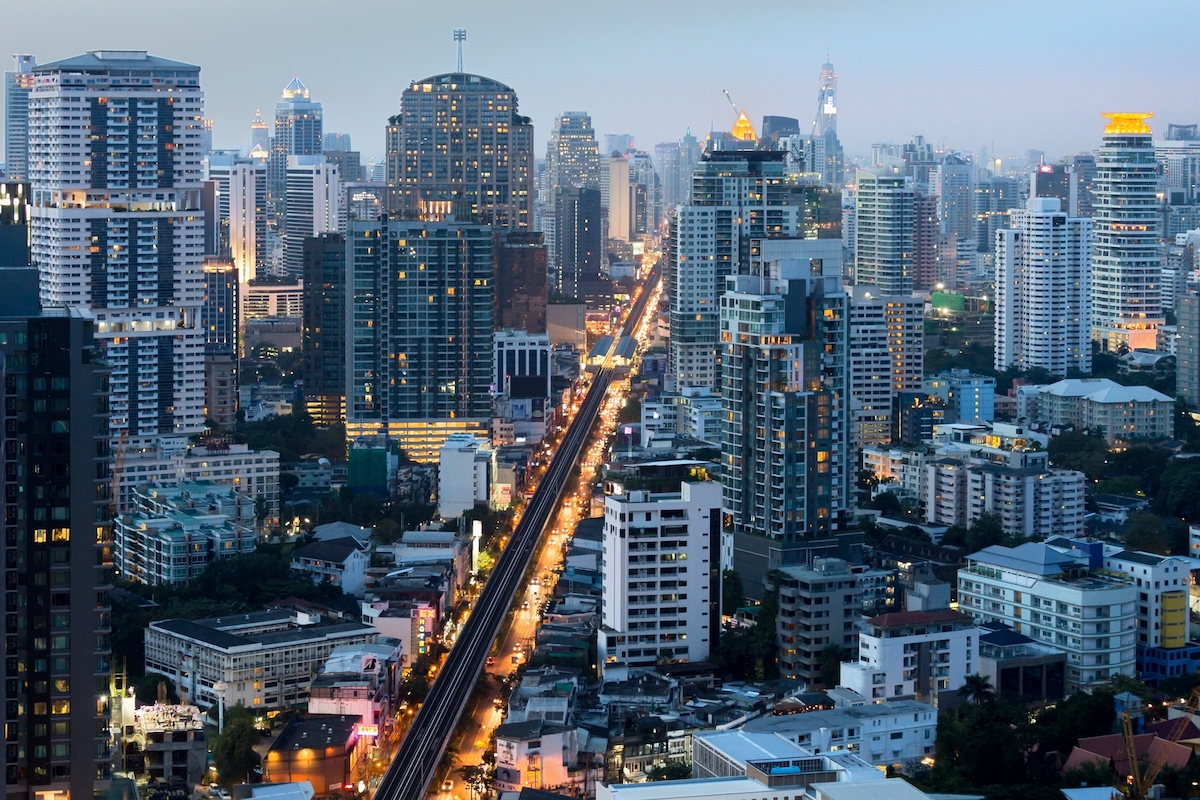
[[1141, 783], [743, 129]]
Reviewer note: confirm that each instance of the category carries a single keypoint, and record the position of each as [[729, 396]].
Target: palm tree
[[977, 689]]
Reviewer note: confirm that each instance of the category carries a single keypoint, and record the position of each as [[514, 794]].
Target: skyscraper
[[1126, 266], [950, 181], [615, 179], [14, 224], [738, 198], [926, 230], [242, 211], [325, 328], [572, 159], [886, 356], [783, 383], [298, 132], [619, 143], [826, 155], [17, 86], [315, 205], [826, 121], [219, 318], [578, 255], [420, 331], [58, 556], [260, 132], [646, 202], [117, 228], [459, 146], [521, 281], [883, 250], [1043, 290]]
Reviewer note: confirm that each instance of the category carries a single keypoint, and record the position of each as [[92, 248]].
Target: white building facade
[[886, 355], [466, 469], [115, 166], [661, 582], [913, 654], [314, 206], [1055, 599]]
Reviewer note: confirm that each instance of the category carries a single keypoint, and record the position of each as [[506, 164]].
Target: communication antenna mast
[[460, 36]]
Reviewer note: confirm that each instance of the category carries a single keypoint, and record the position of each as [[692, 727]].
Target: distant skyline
[[1019, 76]]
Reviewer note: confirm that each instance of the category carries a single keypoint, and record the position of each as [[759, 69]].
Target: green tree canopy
[[233, 751]]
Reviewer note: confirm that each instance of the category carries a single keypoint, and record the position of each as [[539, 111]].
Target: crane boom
[[737, 111], [1155, 766]]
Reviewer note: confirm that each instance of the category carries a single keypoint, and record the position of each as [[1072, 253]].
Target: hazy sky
[[1012, 75]]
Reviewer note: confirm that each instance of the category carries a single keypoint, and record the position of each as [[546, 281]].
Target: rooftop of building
[[742, 745], [157, 717], [461, 81], [1100, 390], [793, 724], [341, 530], [890, 789], [106, 60], [1119, 500], [909, 619], [215, 630], [316, 731], [528, 730], [336, 550], [1034, 557]]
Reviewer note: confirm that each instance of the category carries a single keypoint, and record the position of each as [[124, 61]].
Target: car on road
[[525, 606], [447, 786], [490, 661]]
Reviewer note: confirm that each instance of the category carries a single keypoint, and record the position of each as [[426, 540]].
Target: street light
[[220, 687]]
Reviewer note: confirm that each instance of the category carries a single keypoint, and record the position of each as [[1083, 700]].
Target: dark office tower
[[336, 141], [578, 245], [822, 210], [420, 331], [18, 85], [219, 314], [775, 128], [349, 164], [325, 328], [14, 224], [458, 146], [925, 241], [521, 278], [1056, 180], [58, 557], [298, 132], [1083, 166], [995, 198]]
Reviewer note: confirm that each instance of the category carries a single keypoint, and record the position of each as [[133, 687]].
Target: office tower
[[219, 319], [1188, 348], [58, 555], [646, 201], [1180, 163], [644, 620], [572, 159], [926, 231], [521, 277], [105, 241], [826, 120], [618, 143], [459, 146], [325, 328], [615, 176], [675, 162], [14, 224], [1057, 181], [420, 331], [883, 248], [348, 163], [1083, 166], [242, 211], [826, 157], [950, 181], [775, 128], [1126, 266], [886, 357], [1043, 290], [577, 255], [298, 132], [314, 202], [336, 141], [783, 383], [18, 84], [206, 136], [738, 198], [995, 198], [260, 132]]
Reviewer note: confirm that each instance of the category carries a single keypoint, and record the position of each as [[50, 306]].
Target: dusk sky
[[1012, 75]]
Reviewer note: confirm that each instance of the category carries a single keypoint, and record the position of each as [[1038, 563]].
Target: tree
[[478, 778], [977, 689], [365, 509], [261, 510], [671, 771], [733, 596], [1147, 532], [1179, 492], [986, 530], [831, 664], [234, 750], [146, 689], [887, 504], [387, 531], [1080, 451], [1123, 683]]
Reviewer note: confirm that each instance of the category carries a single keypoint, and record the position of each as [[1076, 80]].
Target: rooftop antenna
[[460, 36]]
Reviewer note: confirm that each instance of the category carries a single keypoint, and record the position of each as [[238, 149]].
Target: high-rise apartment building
[[1043, 290], [646, 195], [572, 154], [926, 234], [242, 212], [883, 248], [14, 224], [298, 132], [738, 199], [615, 180], [578, 256], [1180, 162], [315, 205], [1126, 265], [783, 388], [58, 556], [950, 181], [18, 84], [886, 357], [324, 330], [521, 288], [420, 329], [661, 583], [459, 146], [219, 314], [1187, 311], [117, 229], [995, 198]]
